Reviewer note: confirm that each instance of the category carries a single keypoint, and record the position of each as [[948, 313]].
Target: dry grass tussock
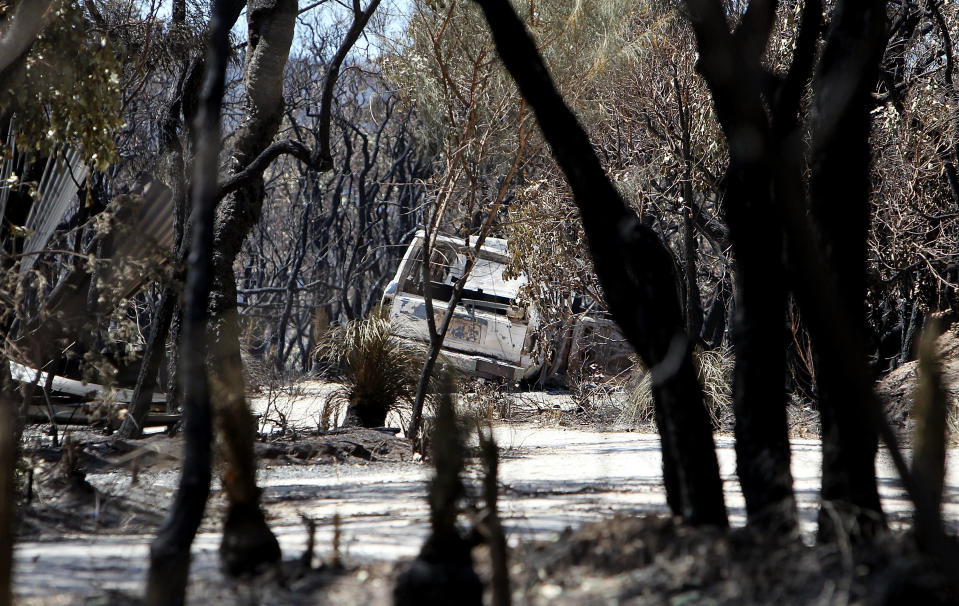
[[715, 370], [379, 370]]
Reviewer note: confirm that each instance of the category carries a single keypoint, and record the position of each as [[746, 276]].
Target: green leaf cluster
[[66, 90]]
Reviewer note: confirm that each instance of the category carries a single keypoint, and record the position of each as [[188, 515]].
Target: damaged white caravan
[[488, 335], [491, 334]]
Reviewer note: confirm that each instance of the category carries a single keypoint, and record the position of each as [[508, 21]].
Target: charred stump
[[443, 571]]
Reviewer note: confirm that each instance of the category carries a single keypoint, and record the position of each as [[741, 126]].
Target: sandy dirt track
[[552, 478]]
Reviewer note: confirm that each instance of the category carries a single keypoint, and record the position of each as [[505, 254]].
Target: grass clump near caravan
[[379, 370]]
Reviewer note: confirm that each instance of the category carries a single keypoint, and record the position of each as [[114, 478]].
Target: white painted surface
[[77, 388]]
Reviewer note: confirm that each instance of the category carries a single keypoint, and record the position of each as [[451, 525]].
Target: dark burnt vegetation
[[763, 195], [648, 560], [821, 233]]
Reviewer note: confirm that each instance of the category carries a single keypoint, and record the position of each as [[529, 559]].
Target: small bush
[[715, 371], [379, 369]]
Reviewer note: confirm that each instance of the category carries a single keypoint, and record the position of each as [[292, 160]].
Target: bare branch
[[258, 165], [360, 18]]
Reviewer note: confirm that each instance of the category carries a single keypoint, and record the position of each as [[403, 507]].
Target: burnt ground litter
[[639, 556]]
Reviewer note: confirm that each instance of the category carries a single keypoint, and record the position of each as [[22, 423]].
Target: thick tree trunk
[[170, 551], [247, 541], [758, 334], [636, 271], [839, 188], [730, 65]]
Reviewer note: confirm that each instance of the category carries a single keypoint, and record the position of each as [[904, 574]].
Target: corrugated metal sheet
[[61, 179]]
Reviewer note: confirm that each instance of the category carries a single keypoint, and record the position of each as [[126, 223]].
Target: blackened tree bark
[[247, 540], [132, 426], [282, 352], [179, 11], [817, 284], [839, 196], [172, 163], [177, 161], [170, 551], [730, 64], [636, 271], [692, 302]]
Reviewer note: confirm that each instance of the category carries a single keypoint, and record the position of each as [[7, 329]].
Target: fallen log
[[83, 414], [88, 391]]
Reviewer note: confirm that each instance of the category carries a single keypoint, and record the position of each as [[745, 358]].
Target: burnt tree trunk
[[247, 540], [692, 302], [730, 64], [170, 550], [282, 351], [172, 160], [839, 208], [637, 274], [132, 426]]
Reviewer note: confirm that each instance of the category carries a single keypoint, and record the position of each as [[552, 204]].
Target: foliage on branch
[[66, 90]]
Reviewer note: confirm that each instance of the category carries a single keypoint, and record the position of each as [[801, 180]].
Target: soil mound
[[654, 560], [898, 387]]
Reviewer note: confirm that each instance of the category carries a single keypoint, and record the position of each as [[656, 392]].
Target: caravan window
[[447, 267]]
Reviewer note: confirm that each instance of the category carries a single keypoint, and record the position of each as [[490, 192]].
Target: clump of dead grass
[[714, 368], [379, 370], [485, 400]]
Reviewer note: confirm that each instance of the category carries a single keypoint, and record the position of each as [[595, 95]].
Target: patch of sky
[[319, 16]]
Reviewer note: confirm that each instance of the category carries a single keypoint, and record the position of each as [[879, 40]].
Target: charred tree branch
[[636, 271], [324, 157], [255, 169]]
